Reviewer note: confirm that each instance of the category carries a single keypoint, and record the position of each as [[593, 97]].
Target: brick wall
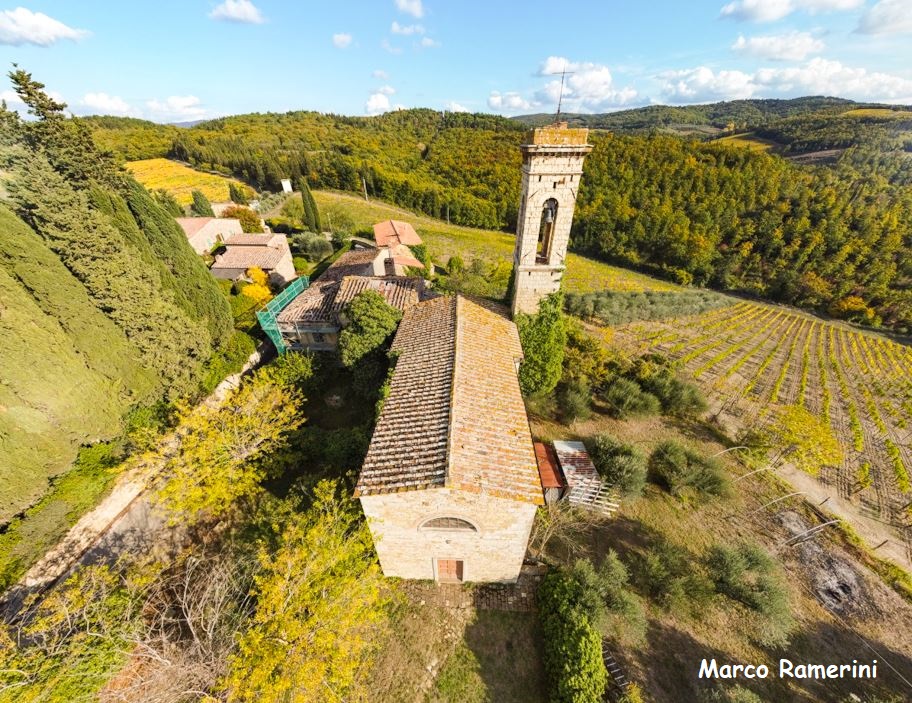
[[492, 554]]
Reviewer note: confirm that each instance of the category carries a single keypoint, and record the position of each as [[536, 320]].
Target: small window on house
[[449, 523], [318, 337]]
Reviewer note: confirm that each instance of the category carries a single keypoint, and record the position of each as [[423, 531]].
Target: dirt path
[[125, 519], [873, 532]]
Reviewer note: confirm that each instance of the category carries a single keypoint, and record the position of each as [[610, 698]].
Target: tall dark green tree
[[237, 194], [309, 220], [201, 207]]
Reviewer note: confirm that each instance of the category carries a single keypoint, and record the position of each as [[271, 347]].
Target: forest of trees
[[105, 307], [711, 214]]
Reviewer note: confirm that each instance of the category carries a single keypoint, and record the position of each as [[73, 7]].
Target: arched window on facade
[[546, 230], [448, 523]]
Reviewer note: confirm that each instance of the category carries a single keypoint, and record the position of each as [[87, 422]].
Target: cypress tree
[[236, 194], [310, 223], [201, 207]]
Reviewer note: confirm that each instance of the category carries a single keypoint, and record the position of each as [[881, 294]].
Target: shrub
[[666, 573], [250, 221], [605, 594], [572, 647], [621, 307], [681, 470], [748, 575], [655, 375], [625, 399], [733, 694], [313, 246], [574, 400], [618, 463]]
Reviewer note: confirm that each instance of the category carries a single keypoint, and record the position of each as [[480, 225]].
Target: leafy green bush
[[666, 573], [625, 399], [732, 694], [543, 338], [747, 574], [312, 246], [227, 360], [574, 400], [681, 470], [618, 463], [655, 374], [605, 594], [572, 647]]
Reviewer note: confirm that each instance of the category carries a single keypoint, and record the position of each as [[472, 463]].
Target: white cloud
[[386, 90], [429, 43], [588, 87], [11, 97], [406, 29], [702, 85], [825, 77], [386, 46], [176, 108], [104, 104], [380, 75], [816, 77], [792, 46], [22, 26], [508, 102], [342, 40], [410, 7], [238, 11], [772, 10], [454, 106], [887, 17], [376, 103]]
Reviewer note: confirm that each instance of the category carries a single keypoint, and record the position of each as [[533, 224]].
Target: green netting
[[267, 316]]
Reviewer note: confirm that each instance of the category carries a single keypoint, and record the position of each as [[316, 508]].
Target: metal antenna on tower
[[560, 99]]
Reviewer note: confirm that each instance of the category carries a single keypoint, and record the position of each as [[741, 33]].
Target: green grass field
[[445, 240], [180, 180]]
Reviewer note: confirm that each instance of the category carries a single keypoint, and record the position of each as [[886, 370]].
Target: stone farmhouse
[[269, 252], [450, 485], [204, 233], [313, 319]]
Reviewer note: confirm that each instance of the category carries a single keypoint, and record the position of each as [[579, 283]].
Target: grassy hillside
[[180, 180], [445, 240]]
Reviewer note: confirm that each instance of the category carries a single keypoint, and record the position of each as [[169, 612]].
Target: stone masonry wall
[[492, 554], [546, 174]]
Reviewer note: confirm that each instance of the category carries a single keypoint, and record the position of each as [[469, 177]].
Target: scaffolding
[[267, 316]]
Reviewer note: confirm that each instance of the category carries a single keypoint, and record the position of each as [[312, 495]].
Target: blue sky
[[181, 60]]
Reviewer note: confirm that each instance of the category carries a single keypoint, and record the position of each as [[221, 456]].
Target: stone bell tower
[[551, 171]]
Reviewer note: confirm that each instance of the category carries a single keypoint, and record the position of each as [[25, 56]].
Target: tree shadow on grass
[[507, 647]]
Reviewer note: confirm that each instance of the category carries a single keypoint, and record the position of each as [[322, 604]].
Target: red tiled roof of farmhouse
[[392, 232], [192, 225], [266, 258], [454, 416], [356, 262]]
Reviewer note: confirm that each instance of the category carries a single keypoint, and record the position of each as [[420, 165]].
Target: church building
[[450, 484]]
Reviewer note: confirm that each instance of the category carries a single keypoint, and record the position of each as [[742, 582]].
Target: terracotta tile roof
[[324, 300], [313, 304], [548, 470], [454, 416], [265, 258], [356, 262], [392, 232], [192, 225], [256, 240]]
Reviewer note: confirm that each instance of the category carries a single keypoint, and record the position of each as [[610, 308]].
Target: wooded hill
[[835, 238], [104, 307]]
